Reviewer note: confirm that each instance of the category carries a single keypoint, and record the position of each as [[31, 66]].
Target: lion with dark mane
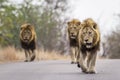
[[28, 41], [73, 29], [89, 44]]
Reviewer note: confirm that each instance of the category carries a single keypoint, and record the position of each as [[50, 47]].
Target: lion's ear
[[68, 23], [78, 23], [95, 26], [21, 28], [82, 25], [28, 25]]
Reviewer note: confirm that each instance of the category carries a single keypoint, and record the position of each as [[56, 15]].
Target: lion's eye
[[83, 32], [90, 32], [74, 27], [29, 32]]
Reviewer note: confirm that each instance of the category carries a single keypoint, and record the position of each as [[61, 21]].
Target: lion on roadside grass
[[28, 41], [89, 44], [73, 29]]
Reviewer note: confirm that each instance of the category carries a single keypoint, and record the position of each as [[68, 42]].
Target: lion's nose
[[86, 40], [25, 37], [72, 33]]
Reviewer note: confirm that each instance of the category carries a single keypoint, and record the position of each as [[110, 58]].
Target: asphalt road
[[58, 70]]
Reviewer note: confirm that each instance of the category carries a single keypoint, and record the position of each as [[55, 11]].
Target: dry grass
[[50, 55], [10, 54]]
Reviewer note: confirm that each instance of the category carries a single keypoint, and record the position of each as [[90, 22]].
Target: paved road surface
[[58, 70]]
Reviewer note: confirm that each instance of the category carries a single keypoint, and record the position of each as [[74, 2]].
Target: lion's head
[[73, 28], [89, 33], [27, 33]]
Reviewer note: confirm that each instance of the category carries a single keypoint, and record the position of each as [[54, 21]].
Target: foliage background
[[48, 17]]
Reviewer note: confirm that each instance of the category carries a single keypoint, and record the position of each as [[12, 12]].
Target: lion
[[28, 41], [89, 44], [73, 29]]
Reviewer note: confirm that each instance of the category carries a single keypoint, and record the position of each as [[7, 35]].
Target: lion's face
[[73, 28], [73, 31], [26, 33], [88, 36], [89, 33]]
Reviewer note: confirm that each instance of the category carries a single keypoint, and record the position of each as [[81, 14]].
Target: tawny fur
[[88, 48], [29, 46], [73, 29]]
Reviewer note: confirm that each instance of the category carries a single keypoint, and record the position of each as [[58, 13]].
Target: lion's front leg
[[32, 57], [91, 63], [78, 58], [82, 62], [26, 55], [73, 57], [77, 54]]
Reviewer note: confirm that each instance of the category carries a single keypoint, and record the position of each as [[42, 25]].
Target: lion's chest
[[73, 42], [93, 49], [28, 46]]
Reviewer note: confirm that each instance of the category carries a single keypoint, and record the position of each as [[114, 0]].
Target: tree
[[47, 17], [113, 43], [7, 21]]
